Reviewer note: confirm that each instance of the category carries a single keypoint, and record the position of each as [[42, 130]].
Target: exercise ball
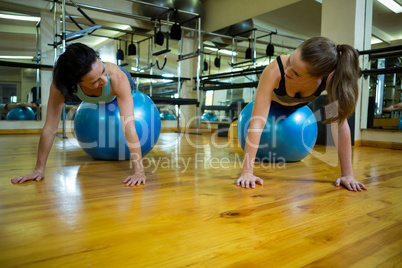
[[209, 116], [288, 135], [155, 12], [400, 123], [21, 113], [167, 116], [99, 133], [1, 110]]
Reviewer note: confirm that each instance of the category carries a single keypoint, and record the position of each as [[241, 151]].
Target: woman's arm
[[342, 139], [258, 119], [49, 131], [126, 107]]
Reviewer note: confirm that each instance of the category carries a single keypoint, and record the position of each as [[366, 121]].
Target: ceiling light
[[124, 27], [237, 70], [375, 40], [391, 4], [222, 51], [137, 70], [17, 57], [16, 17]]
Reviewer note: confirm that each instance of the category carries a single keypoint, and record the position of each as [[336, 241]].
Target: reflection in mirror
[[20, 98], [18, 90], [385, 101]]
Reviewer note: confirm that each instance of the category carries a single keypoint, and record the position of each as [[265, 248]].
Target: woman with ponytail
[[316, 65]]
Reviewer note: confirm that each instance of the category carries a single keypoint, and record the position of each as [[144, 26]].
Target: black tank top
[[283, 96]]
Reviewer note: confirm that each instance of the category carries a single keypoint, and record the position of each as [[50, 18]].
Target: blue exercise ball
[[167, 116], [21, 113], [209, 116], [400, 123], [1, 110], [98, 128], [288, 135]]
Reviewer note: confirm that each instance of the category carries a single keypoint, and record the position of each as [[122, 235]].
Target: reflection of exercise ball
[[167, 116], [21, 113], [289, 134], [209, 116], [154, 12], [1, 110], [241, 29], [400, 123], [194, 6], [98, 128]]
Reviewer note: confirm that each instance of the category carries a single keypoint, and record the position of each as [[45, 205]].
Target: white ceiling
[[301, 19]]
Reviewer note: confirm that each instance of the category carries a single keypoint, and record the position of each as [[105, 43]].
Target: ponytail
[[343, 87], [324, 57]]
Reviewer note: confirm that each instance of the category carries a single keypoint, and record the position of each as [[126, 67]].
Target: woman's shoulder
[[270, 77], [272, 70], [115, 73], [111, 66], [118, 79], [273, 67]]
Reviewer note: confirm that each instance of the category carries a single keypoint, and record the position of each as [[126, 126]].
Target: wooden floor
[[81, 215]]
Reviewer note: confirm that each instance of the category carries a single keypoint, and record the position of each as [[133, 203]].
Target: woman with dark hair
[[316, 65], [79, 71]]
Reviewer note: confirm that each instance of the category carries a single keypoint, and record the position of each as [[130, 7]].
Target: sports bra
[[105, 97], [281, 94]]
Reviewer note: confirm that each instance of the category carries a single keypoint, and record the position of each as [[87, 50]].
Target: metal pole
[[63, 21], [63, 48], [137, 79], [393, 94], [179, 83], [55, 30], [37, 70], [254, 49], [231, 69], [254, 56], [151, 50], [198, 71], [179, 67]]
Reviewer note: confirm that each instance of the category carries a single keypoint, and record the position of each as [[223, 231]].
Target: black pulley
[[205, 65], [248, 51], [132, 49], [159, 38], [217, 62], [175, 32], [270, 48], [120, 53]]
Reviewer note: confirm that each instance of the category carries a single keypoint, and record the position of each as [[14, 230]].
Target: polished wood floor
[[81, 215]]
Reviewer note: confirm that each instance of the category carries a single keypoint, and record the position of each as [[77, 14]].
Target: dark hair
[[323, 56], [71, 66]]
